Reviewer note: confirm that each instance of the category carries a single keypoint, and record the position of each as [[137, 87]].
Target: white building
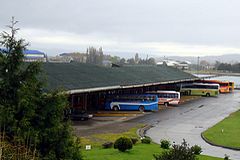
[[34, 55], [177, 64]]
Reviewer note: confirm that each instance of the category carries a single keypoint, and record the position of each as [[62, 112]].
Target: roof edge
[[74, 91], [92, 89]]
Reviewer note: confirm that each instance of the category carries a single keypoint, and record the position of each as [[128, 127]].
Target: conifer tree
[[19, 87], [26, 112]]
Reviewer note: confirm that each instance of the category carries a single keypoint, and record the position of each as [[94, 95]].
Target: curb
[[218, 145], [141, 132]]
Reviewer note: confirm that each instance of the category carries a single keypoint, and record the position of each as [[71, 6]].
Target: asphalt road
[[189, 120]]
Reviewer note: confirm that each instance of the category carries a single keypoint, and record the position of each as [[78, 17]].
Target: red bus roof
[[216, 81]]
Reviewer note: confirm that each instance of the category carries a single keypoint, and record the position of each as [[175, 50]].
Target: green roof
[[77, 76]]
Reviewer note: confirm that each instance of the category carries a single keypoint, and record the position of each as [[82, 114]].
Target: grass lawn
[[139, 151], [226, 132], [204, 157], [98, 139]]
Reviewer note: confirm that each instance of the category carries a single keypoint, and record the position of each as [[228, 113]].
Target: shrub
[[165, 144], [16, 150], [146, 140], [196, 149], [123, 144], [226, 157], [134, 140], [107, 145], [178, 152]]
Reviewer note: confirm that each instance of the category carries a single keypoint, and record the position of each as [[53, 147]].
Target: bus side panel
[[154, 107], [175, 101], [128, 107], [147, 107], [224, 90], [214, 93], [199, 92], [195, 92]]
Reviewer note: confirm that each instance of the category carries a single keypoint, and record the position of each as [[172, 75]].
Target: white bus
[[167, 97]]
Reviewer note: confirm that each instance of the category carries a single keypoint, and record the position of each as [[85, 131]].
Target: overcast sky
[[154, 27]]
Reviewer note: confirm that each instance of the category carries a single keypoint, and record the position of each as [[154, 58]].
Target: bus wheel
[[115, 108], [165, 104], [208, 94], [141, 108]]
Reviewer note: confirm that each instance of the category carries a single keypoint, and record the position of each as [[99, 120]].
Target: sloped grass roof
[[72, 76]]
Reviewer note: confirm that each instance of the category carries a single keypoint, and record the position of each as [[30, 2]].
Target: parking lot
[[189, 120], [115, 122], [186, 120]]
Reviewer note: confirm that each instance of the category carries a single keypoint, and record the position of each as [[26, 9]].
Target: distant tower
[[87, 51], [100, 51], [136, 58]]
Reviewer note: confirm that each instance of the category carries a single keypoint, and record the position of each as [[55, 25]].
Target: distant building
[[183, 65], [34, 55], [177, 64], [60, 59], [107, 63], [75, 56]]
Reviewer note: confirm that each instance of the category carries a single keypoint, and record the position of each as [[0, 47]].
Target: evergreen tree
[[26, 112], [131, 61], [101, 56], [136, 58], [151, 61], [122, 61], [55, 139], [19, 87]]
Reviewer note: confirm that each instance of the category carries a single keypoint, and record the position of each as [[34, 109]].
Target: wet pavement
[[189, 120]]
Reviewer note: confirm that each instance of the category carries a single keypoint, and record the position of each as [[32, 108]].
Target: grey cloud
[[212, 22]]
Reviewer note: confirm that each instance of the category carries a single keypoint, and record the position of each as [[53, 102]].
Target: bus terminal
[[89, 86]]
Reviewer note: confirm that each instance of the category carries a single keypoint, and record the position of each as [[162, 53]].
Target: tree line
[[137, 61], [228, 67], [96, 56]]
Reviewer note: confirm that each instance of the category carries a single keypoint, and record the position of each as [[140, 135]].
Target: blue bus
[[144, 102]]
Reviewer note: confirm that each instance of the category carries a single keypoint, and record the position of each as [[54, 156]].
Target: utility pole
[[198, 64]]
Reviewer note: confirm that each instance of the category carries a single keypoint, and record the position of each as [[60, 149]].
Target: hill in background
[[226, 58]]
